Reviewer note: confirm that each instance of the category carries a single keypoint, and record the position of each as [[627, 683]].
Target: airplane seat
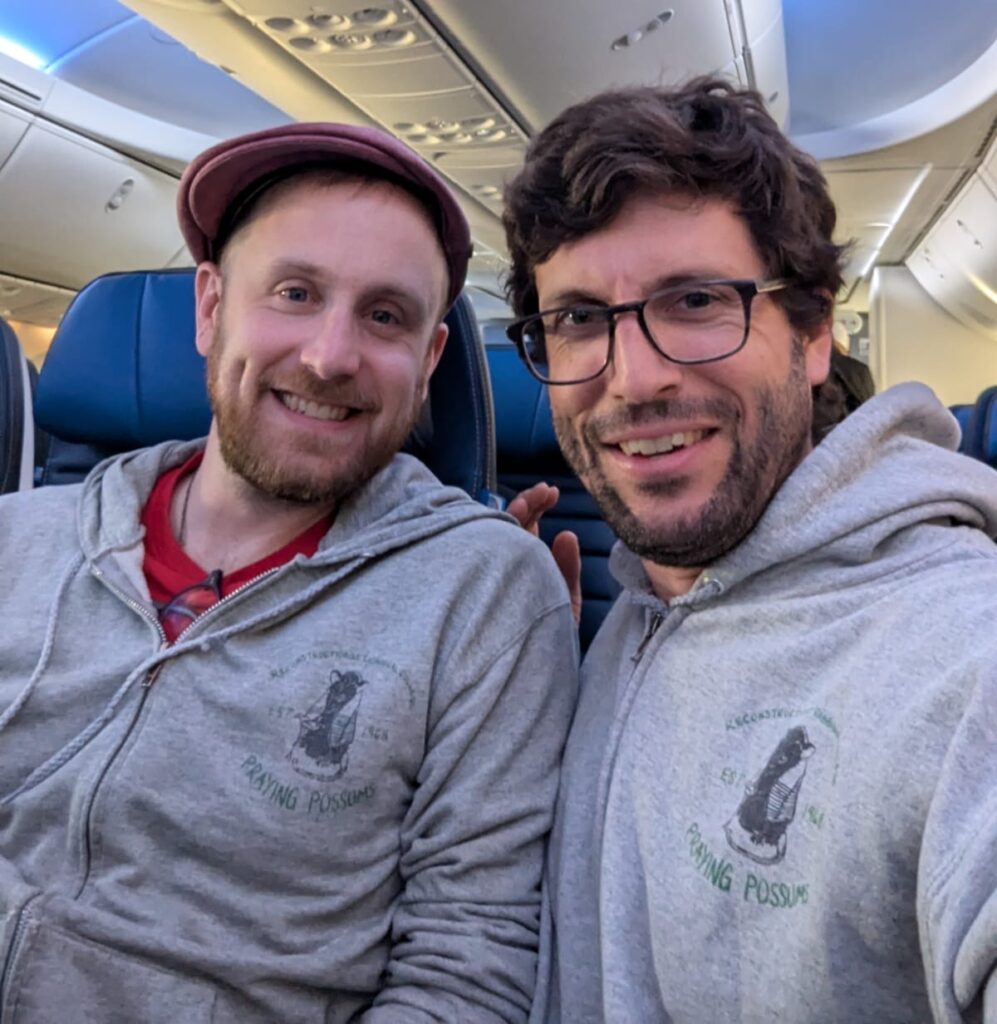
[[981, 430], [527, 452], [17, 426], [962, 413], [123, 373], [988, 429]]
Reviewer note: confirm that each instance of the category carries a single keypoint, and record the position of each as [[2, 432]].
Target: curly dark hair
[[706, 138]]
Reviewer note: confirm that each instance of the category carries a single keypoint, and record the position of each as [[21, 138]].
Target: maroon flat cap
[[226, 174]]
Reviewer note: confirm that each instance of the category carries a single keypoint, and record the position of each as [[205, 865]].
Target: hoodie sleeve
[[957, 892], [465, 931]]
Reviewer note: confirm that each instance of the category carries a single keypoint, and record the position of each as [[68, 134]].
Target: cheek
[[397, 371], [573, 401]]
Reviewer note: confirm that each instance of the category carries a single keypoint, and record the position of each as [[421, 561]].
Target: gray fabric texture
[[779, 794], [327, 802]]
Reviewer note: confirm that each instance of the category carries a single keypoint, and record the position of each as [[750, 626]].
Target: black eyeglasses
[[184, 607], [688, 323]]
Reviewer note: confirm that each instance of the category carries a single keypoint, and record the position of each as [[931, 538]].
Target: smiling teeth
[[660, 445], [313, 409]]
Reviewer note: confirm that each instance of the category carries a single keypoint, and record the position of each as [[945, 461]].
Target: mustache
[[716, 409], [314, 389]]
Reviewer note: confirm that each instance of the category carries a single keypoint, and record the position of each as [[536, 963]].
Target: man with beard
[[275, 742], [779, 794]]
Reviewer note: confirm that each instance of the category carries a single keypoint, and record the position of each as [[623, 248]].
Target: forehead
[[352, 226], [652, 238], [290, 197]]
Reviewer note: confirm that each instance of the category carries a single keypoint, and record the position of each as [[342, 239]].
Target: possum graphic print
[[328, 728], [758, 827]]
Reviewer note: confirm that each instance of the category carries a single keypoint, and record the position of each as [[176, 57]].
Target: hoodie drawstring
[[22, 698]]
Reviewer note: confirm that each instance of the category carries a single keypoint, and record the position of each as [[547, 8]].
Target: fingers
[[529, 506], [568, 556]]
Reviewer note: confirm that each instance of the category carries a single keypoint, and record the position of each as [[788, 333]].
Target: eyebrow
[[574, 296], [388, 290]]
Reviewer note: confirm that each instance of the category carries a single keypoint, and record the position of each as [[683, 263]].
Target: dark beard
[[754, 472], [244, 454]]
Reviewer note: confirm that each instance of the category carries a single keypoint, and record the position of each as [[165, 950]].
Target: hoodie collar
[[400, 503]]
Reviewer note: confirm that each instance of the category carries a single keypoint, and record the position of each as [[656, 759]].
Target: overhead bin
[[110, 212], [13, 124], [86, 187], [956, 263]]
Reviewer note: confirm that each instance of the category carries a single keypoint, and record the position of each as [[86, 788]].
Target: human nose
[[638, 372], [334, 347]]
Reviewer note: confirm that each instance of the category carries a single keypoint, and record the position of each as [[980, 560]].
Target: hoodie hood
[[398, 505], [889, 466]]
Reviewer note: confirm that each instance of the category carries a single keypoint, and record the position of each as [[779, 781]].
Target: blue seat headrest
[[962, 414], [123, 372], [524, 435], [980, 437], [988, 430], [17, 431]]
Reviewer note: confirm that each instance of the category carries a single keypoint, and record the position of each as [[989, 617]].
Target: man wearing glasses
[[779, 795], [275, 742]]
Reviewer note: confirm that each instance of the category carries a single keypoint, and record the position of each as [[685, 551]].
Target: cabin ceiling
[[467, 82]]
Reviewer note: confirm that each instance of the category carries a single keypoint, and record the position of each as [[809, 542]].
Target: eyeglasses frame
[[747, 288]]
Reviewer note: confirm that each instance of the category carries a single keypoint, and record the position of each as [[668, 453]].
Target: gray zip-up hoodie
[[326, 802], [779, 795]]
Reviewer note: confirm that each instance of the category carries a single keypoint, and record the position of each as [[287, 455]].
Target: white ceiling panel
[[543, 56], [852, 61], [768, 62]]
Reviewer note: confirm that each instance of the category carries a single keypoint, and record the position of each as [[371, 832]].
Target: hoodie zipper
[[228, 597], [141, 609], [652, 627], [147, 683], [15, 946]]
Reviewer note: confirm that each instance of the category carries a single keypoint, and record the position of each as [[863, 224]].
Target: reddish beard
[[307, 469]]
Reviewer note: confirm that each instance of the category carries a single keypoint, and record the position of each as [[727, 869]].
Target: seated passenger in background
[[276, 741], [779, 794], [851, 375]]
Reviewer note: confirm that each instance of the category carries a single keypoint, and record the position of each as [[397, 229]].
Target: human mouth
[[664, 443], [314, 410]]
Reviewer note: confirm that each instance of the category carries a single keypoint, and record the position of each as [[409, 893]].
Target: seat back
[[962, 413], [123, 372], [17, 428], [527, 452], [981, 430]]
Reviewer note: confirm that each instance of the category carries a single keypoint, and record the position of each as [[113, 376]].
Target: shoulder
[[40, 509], [37, 527], [496, 546], [960, 576]]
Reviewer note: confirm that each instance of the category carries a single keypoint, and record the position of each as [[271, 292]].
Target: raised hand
[[529, 507]]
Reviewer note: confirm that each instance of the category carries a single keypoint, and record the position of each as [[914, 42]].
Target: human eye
[[385, 317], [296, 294], [577, 323], [695, 302], [696, 299]]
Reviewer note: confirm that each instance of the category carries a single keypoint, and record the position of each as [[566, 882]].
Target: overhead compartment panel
[[957, 261], [13, 124], [544, 56], [112, 213]]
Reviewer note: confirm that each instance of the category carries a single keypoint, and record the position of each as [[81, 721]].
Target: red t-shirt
[[179, 587]]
